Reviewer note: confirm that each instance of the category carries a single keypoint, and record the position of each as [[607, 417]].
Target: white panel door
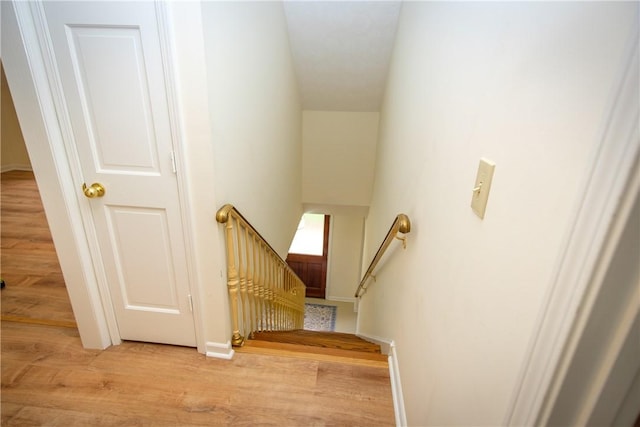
[[111, 67]]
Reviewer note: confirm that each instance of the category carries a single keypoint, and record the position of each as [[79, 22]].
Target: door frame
[[589, 248], [305, 258], [39, 100]]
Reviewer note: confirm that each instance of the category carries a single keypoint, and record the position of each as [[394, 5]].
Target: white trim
[[328, 285], [385, 344], [396, 387], [614, 335], [52, 166], [388, 347], [219, 350], [177, 137], [15, 167], [606, 185], [341, 299]]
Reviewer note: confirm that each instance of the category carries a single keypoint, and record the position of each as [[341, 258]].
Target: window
[[309, 239]]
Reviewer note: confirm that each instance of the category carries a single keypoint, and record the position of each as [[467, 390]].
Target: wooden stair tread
[[328, 340], [315, 345], [314, 353]]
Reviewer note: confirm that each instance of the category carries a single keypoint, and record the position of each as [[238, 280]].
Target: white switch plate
[[482, 187]]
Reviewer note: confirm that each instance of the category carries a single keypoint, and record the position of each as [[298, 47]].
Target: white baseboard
[[15, 167], [396, 387], [340, 299], [385, 344], [219, 351], [389, 348]]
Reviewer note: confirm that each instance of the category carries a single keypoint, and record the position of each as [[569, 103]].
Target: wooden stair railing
[[264, 292], [401, 224]]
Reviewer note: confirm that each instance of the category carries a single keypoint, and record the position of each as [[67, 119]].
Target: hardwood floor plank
[[36, 416], [44, 345], [35, 288], [45, 369]]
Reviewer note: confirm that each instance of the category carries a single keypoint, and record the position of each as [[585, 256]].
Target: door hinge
[[190, 302], [173, 161]]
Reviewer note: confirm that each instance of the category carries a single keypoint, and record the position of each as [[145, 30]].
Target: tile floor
[[345, 316]]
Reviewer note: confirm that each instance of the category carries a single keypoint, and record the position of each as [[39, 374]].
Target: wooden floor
[[28, 263], [49, 379]]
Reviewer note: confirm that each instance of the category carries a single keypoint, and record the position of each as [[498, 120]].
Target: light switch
[[482, 187]]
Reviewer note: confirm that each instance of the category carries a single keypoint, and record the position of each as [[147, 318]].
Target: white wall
[[338, 157], [345, 254], [207, 240], [14, 151], [526, 85], [256, 115]]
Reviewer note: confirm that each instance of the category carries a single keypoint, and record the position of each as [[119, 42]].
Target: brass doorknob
[[96, 190]]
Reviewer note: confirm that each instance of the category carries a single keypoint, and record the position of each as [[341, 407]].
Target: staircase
[[324, 346]]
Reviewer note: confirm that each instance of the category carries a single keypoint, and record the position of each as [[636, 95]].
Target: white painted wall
[[526, 85], [256, 115], [206, 237], [345, 253], [338, 157], [14, 151]]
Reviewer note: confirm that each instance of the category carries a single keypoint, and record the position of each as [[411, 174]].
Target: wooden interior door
[[312, 269], [109, 59]]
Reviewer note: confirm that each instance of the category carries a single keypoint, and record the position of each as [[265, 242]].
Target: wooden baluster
[[242, 270], [280, 305], [296, 322], [267, 284], [256, 281], [300, 294], [272, 278], [295, 302], [237, 339], [274, 296], [263, 289], [250, 271], [280, 297], [263, 276], [285, 305]]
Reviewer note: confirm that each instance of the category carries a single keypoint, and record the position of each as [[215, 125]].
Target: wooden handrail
[[264, 292], [400, 225]]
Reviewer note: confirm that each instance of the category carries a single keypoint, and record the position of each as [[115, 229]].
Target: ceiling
[[341, 51]]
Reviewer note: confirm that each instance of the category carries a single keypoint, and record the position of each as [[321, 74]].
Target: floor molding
[[385, 344], [389, 348], [219, 350], [396, 387]]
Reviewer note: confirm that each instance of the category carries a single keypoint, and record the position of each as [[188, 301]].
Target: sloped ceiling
[[341, 51]]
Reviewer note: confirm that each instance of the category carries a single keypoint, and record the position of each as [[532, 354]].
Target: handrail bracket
[[404, 241]]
